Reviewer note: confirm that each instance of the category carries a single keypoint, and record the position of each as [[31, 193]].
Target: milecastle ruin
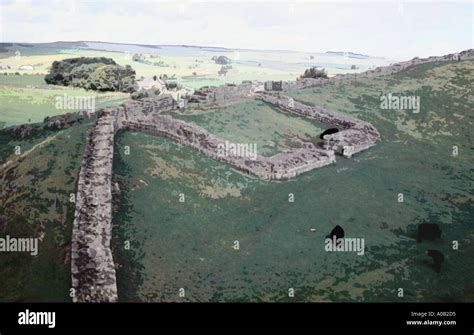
[[93, 270]]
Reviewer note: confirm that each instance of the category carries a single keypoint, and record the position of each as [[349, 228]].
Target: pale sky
[[393, 29]]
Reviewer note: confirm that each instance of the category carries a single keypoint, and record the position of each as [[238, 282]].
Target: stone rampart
[[92, 265]]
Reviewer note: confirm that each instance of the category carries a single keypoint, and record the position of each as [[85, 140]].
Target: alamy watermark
[[229, 149], [14, 244], [75, 102], [37, 318], [400, 102], [354, 244]]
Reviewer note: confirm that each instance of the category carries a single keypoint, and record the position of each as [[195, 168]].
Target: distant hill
[[348, 54]]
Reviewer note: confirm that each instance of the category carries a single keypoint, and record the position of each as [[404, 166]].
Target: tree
[[136, 57], [222, 60], [315, 73], [95, 73]]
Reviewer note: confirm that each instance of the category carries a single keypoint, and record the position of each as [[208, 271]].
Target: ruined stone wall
[[92, 266], [281, 166], [354, 135], [378, 71], [223, 94], [318, 114]]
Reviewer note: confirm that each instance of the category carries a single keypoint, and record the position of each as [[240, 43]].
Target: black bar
[[242, 315]]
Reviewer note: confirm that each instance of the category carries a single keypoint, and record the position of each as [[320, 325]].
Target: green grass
[[273, 65], [189, 244], [27, 99], [446, 98], [256, 122], [34, 196]]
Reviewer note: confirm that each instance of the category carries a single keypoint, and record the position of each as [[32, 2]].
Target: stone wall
[[354, 135], [379, 71], [281, 166], [92, 265], [221, 95]]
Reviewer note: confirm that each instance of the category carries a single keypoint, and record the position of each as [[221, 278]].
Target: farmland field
[[28, 99], [192, 67]]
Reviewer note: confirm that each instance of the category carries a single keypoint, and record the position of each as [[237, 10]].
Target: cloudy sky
[[393, 29]]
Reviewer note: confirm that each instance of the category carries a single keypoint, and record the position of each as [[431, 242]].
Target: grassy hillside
[[28, 99], [256, 122], [34, 198], [189, 245]]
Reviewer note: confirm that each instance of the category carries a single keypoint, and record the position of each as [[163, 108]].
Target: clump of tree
[[224, 69], [222, 60], [315, 73], [93, 73], [171, 85], [143, 59]]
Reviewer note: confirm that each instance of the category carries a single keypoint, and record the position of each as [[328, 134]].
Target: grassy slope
[[255, 122], [418, 150], [28, 99], [189, 245], [414, 157], [34, 196]]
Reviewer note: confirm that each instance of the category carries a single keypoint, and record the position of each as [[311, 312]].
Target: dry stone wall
[[354, 135], [378, 71], [92, 265], [285, 165]]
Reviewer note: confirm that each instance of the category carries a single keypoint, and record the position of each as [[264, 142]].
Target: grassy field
[[189, 245], [195, 69], [446, 98], [256, 122], [28, 99], [180, 67], [34, 197]]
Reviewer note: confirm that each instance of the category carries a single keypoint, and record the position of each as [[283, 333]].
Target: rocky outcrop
[[92, 265]]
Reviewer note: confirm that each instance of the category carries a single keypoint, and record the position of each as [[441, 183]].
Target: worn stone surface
[[92, 265]]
